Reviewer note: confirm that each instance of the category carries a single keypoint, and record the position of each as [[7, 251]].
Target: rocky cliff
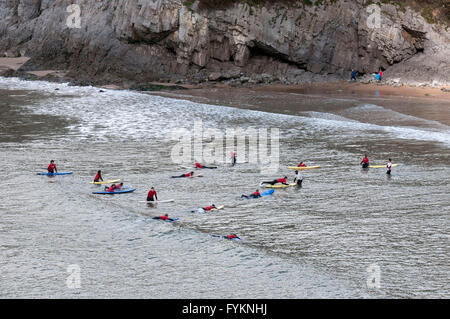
[[252, 41]]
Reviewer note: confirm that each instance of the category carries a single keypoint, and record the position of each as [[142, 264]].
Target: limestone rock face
[[144, 40]]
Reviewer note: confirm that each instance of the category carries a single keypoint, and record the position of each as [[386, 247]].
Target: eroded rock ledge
[[139, 41]]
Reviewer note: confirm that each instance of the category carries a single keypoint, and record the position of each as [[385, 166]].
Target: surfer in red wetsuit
[[365, 162], [112, 188], [208, 208], [198, 165], [232, 236], [275, 181], [256, 194], [151, 195], [165, 217], [98, 177], [52, 167], [302, 164], [190, 174], [118, 187], [233, 158]]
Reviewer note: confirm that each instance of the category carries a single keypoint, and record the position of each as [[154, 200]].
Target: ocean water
[[318, 241]]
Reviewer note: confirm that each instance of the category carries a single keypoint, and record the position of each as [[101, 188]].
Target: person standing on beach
[[353, 78], [381, 74]]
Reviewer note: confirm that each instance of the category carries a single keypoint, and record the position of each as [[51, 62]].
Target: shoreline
[[209, 91]]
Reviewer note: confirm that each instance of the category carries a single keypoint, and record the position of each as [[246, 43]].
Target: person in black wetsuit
[[233, 158], [365, 162], [184, 175], [298, 179]]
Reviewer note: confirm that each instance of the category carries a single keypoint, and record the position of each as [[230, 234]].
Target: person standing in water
[[233, 158], [365, 162], [298, 179], [98, 177], [151, 196], [52, 167], [389, 167]]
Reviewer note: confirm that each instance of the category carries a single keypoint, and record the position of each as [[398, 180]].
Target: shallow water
[[313, 242]]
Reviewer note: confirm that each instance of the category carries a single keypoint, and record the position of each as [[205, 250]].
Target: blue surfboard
[[269, 192], [51, 174], [116, 192]]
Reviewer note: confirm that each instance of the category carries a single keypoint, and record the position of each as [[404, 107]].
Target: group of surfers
[[365, 164]]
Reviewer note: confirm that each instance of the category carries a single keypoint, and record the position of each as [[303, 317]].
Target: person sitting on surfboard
[[208, 208], [298, 179], [365, 162], [190, 174], [198, 165], [302, 164], [256, 194], [152, 194], [389, 167], [52, 167], [280, 180], [98, 177], [165, 217]]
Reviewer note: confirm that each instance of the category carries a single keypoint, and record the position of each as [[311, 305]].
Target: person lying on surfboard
[[365, 162], [198, 165], [301, 164], [118, 187], [232, 236], [256, 194], [151, 195], [112, 188], [275, 181], [52, 167], [190, 174], [165, 217], [208, 208], [98, 177]]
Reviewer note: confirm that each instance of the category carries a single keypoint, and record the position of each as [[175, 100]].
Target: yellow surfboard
[[105, 182], [381, 166], [280, 185], [302, 168]]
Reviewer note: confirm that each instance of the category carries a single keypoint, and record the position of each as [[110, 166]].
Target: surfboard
[[280, 186], [218, 208], [303, 168], [106, 182], [116, 192], [59, 173], [381, 166], [166, 220], [157, 201], [269, 192]]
